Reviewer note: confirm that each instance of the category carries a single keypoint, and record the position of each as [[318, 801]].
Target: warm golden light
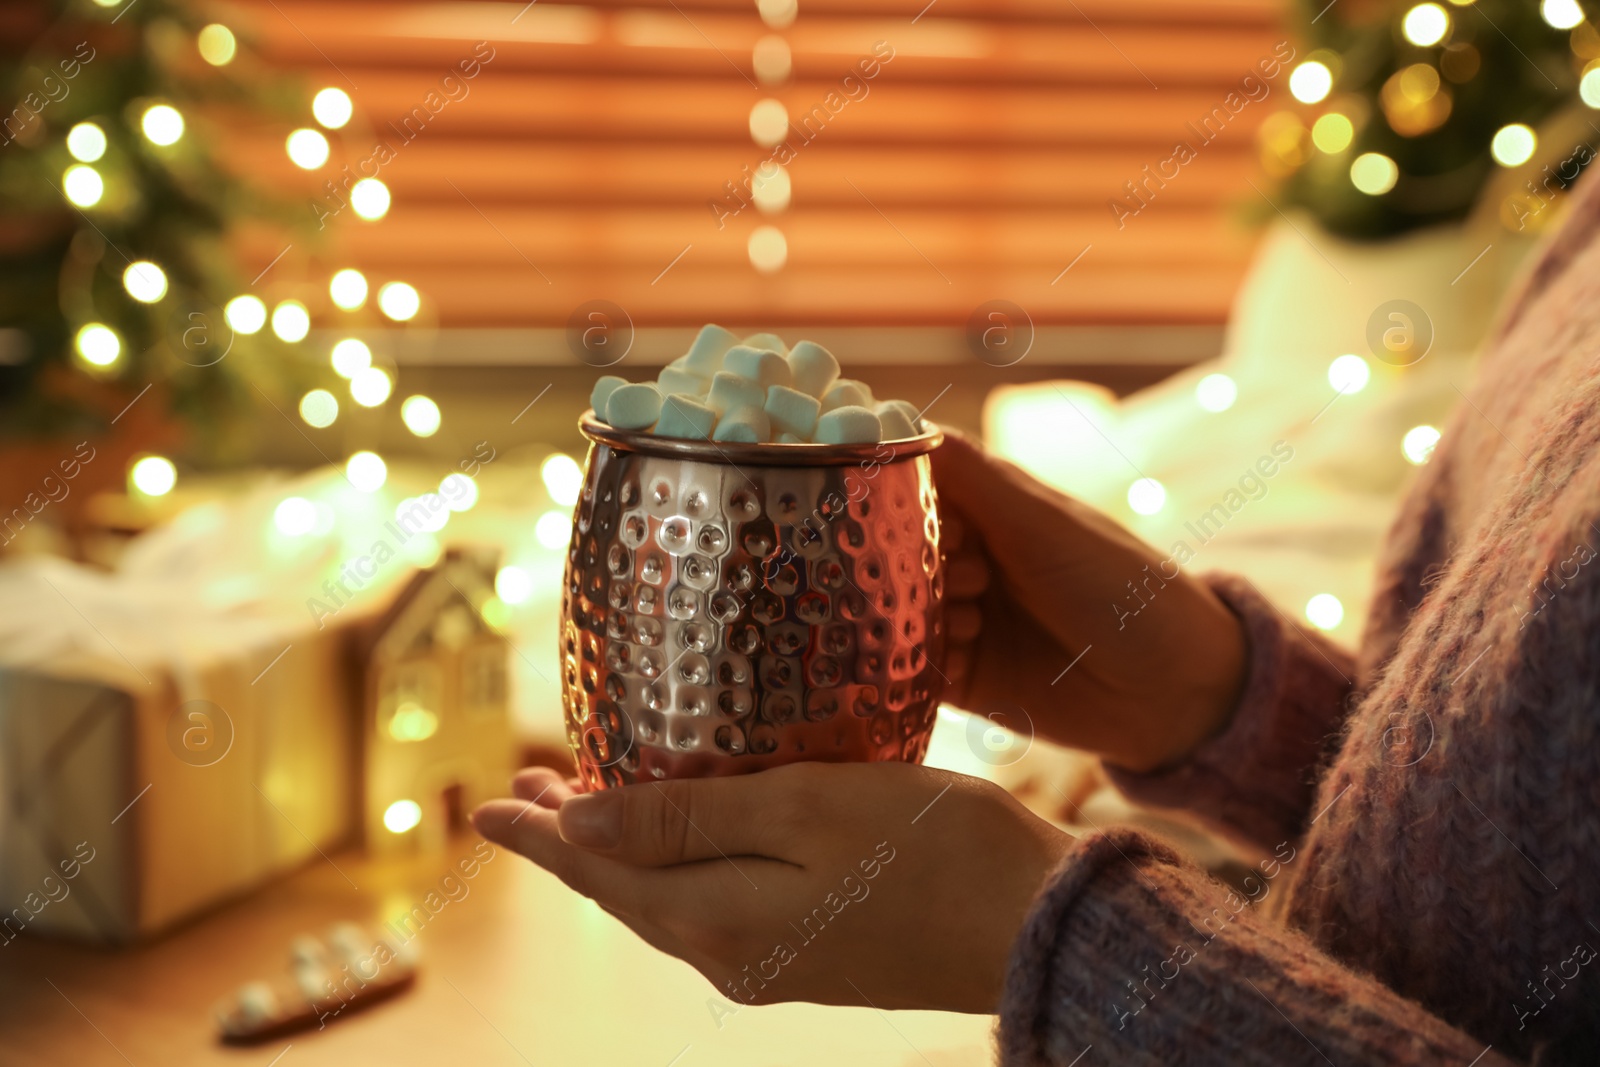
[[246, 314], [86, 142], [1333, 132], [348, 288], [401, 816], [319, 408], [145, 281], [98, 344], [369, 198], [1216, 392], [370, 387], [82, 185], [421, 415], [332, 108], [350, 357], [162, 124], [1324, 611], [1374, 173], [1513, 145], [399, 301], [307, 148], [291, 321], [366, 471], [1425, 25], [153, 476], [1146, 496], [1310, 82], [217, 45], [768, 249]]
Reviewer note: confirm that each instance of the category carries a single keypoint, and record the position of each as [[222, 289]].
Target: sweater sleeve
[[1144, 958], [1255, 781]]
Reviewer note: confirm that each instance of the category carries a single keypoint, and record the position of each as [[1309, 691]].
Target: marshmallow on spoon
[[604, 386], [685, 416], [635, 406], [746, 425], [814, 368], [730, 391], [849, 425], [705, 355]]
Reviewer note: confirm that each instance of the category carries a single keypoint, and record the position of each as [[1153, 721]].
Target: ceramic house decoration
[[435, 729]]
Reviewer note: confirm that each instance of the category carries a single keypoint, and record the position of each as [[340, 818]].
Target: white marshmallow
[[685, 416], [791, 439], [677, 380], [730, 391], [763, 366], [846, 392], [634, 406], [814, 368], [743, 425], [792, 411], [849, 425], [705, 355], [766, 340], [604, 386], [894, 422]]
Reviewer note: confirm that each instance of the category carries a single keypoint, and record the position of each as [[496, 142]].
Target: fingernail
[[591, 820]]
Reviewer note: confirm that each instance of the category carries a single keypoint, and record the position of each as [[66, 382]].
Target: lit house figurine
[[436, 736]]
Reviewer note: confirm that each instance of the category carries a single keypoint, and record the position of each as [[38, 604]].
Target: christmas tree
[[1410, 111]]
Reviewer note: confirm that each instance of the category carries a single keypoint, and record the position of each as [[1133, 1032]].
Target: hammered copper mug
[[733, 607]]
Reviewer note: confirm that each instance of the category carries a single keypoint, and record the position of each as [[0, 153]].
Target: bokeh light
[[1333, 132], [370, 386], [295, 517], [1513, 145], [319, 408], [1216, 392], [401, 816], [1324, 611], [366, 471], [1418, 443], [82, 185], [350, 357], [86, 142], [513, 584], [217, 44], [1310, 82], [369, 198], [553, 529], [144, 281], [98, 344], [1374, 173], [768, 249], [399, 301], [1425, 25], [459, 491], [162, 124], [307, 148], [332, 108], [246, 314], [1562, 14], [421, 415], [291, 321], [563, 478], [153, 475], [1146, 496], [1349, 373], [348, 288]]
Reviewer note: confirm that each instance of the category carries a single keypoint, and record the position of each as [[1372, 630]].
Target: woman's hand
[[885, 884], [1039, 582]]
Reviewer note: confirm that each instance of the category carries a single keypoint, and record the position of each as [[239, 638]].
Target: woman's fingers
[[543, 786], [684, 820]]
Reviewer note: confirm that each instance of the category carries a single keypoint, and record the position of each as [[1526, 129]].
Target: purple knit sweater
[[1425, 817]]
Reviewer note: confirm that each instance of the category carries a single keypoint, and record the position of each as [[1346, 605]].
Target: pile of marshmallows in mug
[[754, 390]]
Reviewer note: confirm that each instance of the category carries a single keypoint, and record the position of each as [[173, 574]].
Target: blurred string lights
[[1404, 121], [98, 156], [770, 190]]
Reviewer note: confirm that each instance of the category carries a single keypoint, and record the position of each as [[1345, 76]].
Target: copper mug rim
[[759, 455]]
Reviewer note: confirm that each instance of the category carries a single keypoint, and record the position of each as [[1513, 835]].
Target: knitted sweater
[[1423, 815]]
